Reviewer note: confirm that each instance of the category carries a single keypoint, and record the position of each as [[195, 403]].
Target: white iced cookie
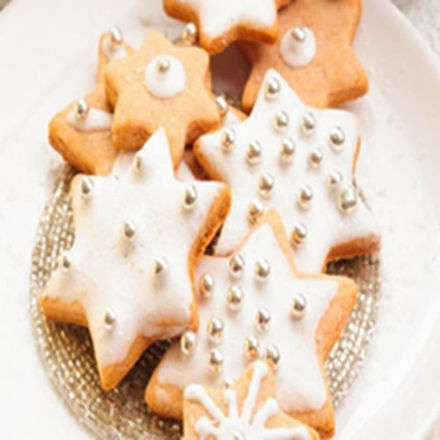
[[84, 118], [129, 267], [165, 77], [298, 46], [241, 422], [299, 161], [253, 305]]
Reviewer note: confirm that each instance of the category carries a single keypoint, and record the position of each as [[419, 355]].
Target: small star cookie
[[81, 132], [313, 53], [137, 238], [246, 410], [161, 85], [255, 304], [222, 23], [299, 161]]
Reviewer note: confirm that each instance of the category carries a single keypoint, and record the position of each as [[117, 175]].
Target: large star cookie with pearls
[[251, 305], [245, 410], [313, 53], [161, 85], [81, 132], [222, 23], [299, 161], [137, 239]]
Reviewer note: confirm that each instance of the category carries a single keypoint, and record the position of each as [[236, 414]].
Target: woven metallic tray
[[67, 350]]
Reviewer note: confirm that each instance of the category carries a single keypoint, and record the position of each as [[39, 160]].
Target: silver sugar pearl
[[163, 65], [66, 261], [235, 297], [116, 36], [262, 319], [255, 211], [190, 197], [86, 187], [305, 196], [189, 34], [334, 179], [109, 320], [236, 266], [206, 285], [222, 105], [337, 138], [287, 152], [316, 157], [81, 109], [138, 162], [299, 306], [253, 153], [308, 123], [299, 34], [215, 360], [299, 234], [251, 348], [262, 269], [227, 140], [188, 343], [129, 229], [215, 330], [281, 120], [272, 354], [238, 436], [160, 266], [265, 185], [348, 199], [228, 383], [272, 88]]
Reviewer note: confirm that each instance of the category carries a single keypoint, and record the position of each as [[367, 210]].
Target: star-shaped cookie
[[81, 132], [137, 239], [246, 410], [221, 23], [299, 161], [255, 304], [313, 53], [161, 85]]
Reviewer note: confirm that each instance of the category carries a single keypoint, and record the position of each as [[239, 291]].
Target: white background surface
[[47, 59]]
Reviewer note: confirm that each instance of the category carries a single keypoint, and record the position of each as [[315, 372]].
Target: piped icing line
[[128, 267], [236, 425], [298, 46], [297, 160]]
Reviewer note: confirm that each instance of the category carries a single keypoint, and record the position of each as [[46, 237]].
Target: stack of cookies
[[170, 171]]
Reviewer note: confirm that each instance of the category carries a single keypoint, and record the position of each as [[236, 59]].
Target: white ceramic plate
[[47, 58]]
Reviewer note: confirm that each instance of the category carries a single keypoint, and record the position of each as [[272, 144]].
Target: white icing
[[152, 14], [111, 273], [165, 84], [300, 385], [94, 120], [216, 18], [298, 53], [225, 426], [326, 225], [113, 52], [184, 173]]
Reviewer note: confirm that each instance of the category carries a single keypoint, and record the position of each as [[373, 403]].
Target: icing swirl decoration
[[238, 424], [165, 77], [85, 118], [298, 46]]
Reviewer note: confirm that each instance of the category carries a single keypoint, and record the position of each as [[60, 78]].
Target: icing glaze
[[216, 18], [168, 82], [113, 52], [124, 224], [225, 426], [300, 385], [298, 52], [94, 120], [296, 153]]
